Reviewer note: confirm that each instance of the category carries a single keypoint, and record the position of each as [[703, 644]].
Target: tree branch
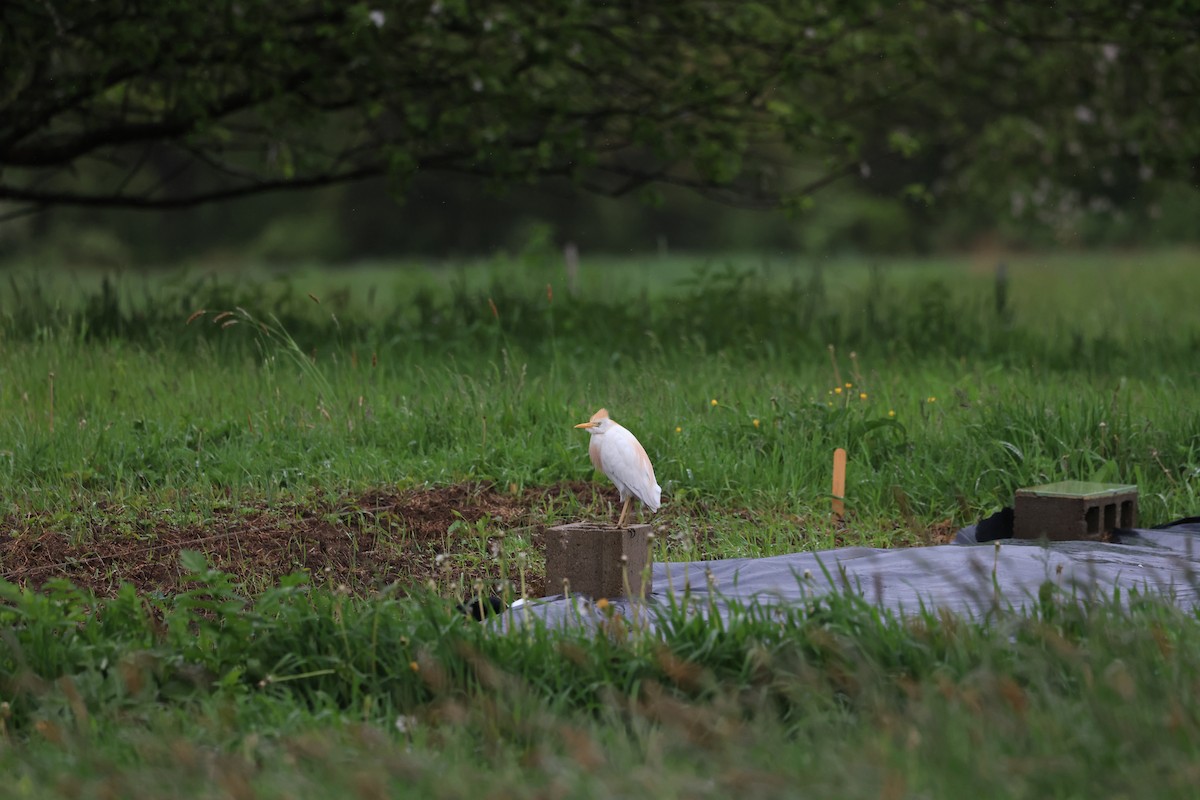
[[186, 201]]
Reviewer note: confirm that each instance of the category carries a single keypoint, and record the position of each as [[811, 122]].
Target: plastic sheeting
[[966, 578]]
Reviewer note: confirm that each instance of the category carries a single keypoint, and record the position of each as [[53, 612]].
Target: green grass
[[113, 410], [1089, 373], [305, 694]]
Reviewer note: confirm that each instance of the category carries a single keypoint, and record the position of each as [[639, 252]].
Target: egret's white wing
[[627, 465]]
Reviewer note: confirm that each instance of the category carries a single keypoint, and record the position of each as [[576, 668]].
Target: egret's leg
[[624, 512]]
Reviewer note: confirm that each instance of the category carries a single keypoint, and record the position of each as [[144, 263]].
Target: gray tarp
[[964, 577]]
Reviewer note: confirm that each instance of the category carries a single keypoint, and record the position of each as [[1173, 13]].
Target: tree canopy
[[162, 103]]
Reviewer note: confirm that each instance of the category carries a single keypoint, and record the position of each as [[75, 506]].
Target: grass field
[[394, 429]]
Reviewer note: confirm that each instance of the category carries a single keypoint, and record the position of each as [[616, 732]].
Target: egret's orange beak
[[586, 425]]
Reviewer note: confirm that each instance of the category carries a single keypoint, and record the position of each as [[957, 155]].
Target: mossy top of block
[[1085, 490]]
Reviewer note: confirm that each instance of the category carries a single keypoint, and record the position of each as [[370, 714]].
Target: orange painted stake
[[839, 483]]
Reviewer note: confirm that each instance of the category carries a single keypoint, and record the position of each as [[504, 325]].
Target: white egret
[[618, 454]]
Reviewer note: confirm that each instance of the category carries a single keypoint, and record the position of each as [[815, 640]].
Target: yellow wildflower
[[714, 401], [862, 395], [849, 385], [678, 429], [602, 603], [931, 399], [837, 390], [891, 413], [414, 666], [756, 423]]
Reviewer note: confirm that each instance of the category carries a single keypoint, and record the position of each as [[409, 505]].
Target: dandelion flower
[[678, 429], [891, 412], [414, 666], [714, 401], [602, 603], [849, 385], [756, 423], [837, 390], [931, 399], [862, 395]]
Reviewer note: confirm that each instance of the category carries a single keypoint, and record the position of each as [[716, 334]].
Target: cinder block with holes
[[1074, 510], [598, 560]]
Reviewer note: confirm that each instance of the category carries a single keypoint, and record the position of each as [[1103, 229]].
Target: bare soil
[[362, 542]]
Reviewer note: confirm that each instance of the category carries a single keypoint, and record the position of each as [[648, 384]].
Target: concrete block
[[598, 560], [1074, 510]]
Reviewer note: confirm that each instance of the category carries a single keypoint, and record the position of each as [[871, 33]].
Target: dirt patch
[[452, 535]]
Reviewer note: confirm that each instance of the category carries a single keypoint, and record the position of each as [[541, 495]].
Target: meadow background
[[739, 375], [128, 417], [300, 302]]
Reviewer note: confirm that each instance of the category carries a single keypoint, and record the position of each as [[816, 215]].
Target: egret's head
[[599, 423]]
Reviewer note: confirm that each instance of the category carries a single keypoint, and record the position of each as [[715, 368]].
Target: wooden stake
[[839, 483], [571, 257]]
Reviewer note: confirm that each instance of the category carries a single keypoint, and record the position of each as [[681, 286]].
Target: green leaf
[[193, 562]]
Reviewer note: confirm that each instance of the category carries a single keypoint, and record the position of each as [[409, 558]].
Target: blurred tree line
[[448, 216], [448, 127]]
